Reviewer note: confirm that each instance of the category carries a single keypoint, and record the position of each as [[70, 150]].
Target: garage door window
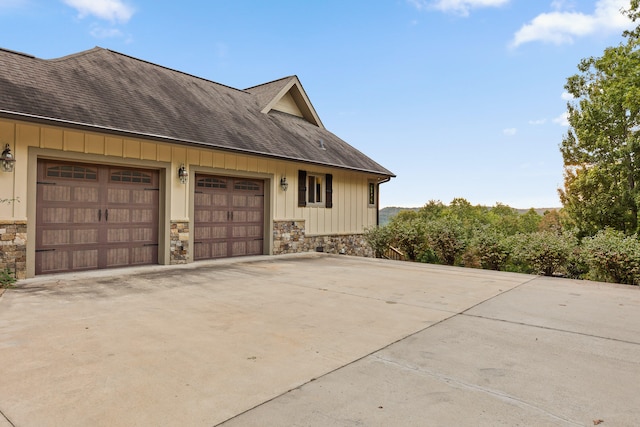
[[73, 172]]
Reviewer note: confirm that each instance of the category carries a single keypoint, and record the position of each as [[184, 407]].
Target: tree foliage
[[613, 257], [501, 238], [601, 151]]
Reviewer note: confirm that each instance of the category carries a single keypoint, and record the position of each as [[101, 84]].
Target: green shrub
[[542, 252], [409, 237], [491, 247], [613, 257], [379, 238], [446, 238]]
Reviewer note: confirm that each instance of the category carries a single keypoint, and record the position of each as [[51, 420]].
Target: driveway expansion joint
[[549, 328], [460, 384]]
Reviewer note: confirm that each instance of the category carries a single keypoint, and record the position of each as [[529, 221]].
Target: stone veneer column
[[288, 237], [179, 238], [13, 247]]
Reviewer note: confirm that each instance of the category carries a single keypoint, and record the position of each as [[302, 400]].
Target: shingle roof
[[106, 90]]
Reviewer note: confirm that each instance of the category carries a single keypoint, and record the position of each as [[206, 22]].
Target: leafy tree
[[550, 221], [432, 210], [601, 151], [504, 218]]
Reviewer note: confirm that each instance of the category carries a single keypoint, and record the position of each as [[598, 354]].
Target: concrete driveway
[[317, 340]]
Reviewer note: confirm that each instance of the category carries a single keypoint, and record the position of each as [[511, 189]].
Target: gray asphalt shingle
[[106, 90]]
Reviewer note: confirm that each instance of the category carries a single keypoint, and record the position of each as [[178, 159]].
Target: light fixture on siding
[[7, 159], [283, 183], [183, 174]]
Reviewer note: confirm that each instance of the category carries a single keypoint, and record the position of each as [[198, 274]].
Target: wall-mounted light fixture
[[7, 159], [283, 183], [183, 174]]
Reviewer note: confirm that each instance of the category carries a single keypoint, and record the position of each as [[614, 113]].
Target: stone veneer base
[[290, 237]]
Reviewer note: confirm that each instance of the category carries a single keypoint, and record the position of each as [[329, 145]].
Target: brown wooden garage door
[[228, 217], [92, 216]]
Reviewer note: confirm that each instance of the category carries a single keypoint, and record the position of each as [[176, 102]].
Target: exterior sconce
[[7, 159], [183, 174], [283, 183]]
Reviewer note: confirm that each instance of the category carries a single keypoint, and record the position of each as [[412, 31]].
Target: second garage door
[[228, 217]]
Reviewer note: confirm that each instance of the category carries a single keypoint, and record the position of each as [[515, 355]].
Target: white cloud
[[104, 33], [110, 10], [566, 96], [510, 131], [560, 27], [562, 119], [537, 122], [461, 7]]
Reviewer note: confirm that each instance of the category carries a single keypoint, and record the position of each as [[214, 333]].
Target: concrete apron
[[199, 344]]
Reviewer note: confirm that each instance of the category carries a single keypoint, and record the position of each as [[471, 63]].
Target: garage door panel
[[142, 197], [85, 259], [239, 216], [254, 247], [54, 261], [116, 216], [141, 215], [239, 232], [85, 236], [253, 216], [56, 216], [56, 193], [219, 250], [53, 237], [117, 257], [239, 201], [143, 235], [202, 199], [118, 235], [86, 215], [143, 255], [86, 194], [254, 231], [118, 195], [201, 250]]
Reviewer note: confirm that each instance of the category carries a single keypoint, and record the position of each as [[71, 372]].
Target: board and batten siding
[[350, 213]]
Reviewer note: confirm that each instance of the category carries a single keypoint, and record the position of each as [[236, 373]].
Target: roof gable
[[286, 95]]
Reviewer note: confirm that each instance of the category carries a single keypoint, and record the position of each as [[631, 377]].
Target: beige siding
[[288, 105], [350, 214]]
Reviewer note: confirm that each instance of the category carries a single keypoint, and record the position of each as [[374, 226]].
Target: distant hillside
[[389, 212]]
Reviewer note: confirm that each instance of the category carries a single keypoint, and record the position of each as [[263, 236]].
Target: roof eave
[[135, 134]]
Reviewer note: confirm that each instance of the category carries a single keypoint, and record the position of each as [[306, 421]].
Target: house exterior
[[121, 162]]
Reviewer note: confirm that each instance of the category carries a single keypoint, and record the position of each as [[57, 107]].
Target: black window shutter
[[329, 188], [302, 188]]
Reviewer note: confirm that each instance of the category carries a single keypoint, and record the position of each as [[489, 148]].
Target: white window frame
[[375, 193], [315, 195]]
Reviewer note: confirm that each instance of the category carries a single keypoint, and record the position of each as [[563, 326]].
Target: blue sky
[[459, 98]]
